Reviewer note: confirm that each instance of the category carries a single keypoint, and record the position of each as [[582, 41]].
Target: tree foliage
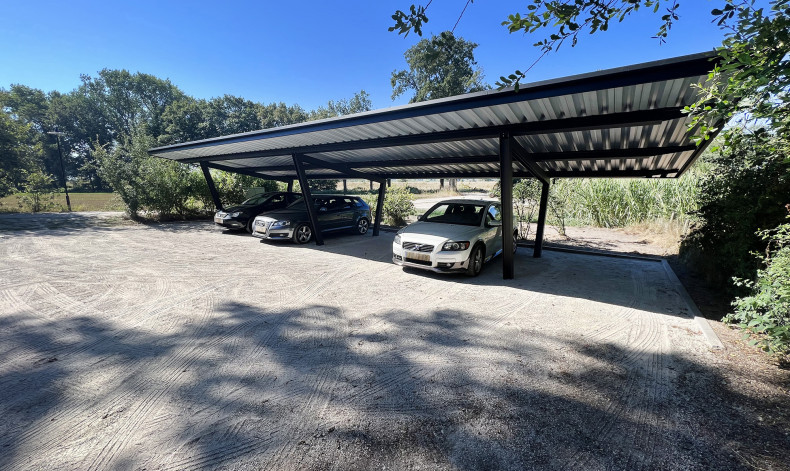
[[439, 67], [765, 311], [110, 120]]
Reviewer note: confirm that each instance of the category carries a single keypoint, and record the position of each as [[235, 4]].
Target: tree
[[357, 104], [751, 81], [15, 155], [439, 67]]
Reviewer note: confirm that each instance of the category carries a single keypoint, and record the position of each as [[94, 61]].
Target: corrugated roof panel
[[489, 110]]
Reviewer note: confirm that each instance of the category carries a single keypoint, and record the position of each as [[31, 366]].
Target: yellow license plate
[[419, 256]]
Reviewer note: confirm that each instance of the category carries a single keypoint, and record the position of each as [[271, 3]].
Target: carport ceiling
[[625, 122]]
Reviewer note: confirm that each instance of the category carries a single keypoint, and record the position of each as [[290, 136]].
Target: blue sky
[[305, 52]]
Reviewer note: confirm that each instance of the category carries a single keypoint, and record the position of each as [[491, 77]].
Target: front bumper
[[436, 261], [229, 223], [266, 232]]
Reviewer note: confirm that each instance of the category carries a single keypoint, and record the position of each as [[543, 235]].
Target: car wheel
[[362, 226], [303, 234], [249, 224], [515, 241], [475, 261]]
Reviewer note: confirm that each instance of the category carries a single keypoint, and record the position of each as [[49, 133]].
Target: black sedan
[[335, 212], [241, 216]]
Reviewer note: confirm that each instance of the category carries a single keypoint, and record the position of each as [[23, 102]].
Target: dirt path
[[180, 346]]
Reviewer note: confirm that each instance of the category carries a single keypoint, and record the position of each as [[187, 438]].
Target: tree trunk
[[441, 183], [389, 183], [453, 182], [345, 187], [371, 185]]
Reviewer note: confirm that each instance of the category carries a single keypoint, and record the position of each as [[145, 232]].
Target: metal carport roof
[[624, 122]]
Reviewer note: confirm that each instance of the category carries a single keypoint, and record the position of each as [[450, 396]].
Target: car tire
[[362, 226], [302, 234], [475, 260], [249, 224]]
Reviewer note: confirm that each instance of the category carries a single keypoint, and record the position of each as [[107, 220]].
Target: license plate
[[218, 220], [426, 257]]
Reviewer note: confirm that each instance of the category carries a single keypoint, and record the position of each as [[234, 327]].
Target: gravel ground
[[181, 346]]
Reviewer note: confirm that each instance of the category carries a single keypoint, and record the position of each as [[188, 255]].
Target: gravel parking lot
[[181, 346]]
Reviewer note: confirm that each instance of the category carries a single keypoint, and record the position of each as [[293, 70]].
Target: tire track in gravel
[[122, 395], [644, 370], [115, 447]]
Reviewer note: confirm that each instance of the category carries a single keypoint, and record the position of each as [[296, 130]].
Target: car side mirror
[[493, 223]]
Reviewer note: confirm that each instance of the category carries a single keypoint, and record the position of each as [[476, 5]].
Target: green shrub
[[766, 311], [397, 206], [744, 190], [38, 194]]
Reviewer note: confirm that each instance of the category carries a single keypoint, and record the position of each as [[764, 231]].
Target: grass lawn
[[79, 202]]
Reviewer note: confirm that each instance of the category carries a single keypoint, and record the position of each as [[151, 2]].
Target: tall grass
[[620, 203]]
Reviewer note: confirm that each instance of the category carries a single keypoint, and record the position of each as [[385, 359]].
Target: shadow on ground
[[301, 389]]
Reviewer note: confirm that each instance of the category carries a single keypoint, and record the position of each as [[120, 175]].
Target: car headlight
[[397, 239], [455, 245], [234, 215], [282, 223]]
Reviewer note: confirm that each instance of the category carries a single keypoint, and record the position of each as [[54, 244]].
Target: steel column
[[379, 208], [544, 202], [308, 199], [211, 187], [506, 189], [290, 186]]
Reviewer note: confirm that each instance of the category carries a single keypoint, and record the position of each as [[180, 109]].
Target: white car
[[453, 236]]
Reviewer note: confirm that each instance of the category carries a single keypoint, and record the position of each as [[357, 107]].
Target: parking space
[[181, 346]]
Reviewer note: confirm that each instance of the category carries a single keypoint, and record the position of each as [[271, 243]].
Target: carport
[[624, 122]]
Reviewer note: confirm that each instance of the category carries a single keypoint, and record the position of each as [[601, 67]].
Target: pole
[[506, 190], [308, 199], [544, 201], [63, 169], [379, 208], [211, 187]]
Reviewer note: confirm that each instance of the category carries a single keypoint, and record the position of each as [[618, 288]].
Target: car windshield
[[257, 199], [467, 214]]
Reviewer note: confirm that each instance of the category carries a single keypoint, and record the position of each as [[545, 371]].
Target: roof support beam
[[506, 190], [243, 171], [211, 187], [308, 200], [550, 126], [633, 153], [569, 156], [339, 168], [379, 207], [544, 202], [611, 173], [523, 158]]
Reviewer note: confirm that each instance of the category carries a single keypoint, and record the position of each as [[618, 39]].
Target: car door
[[327, 217], [345, 212], [493, 228]]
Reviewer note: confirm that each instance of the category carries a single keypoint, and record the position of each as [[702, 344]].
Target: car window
[[257, 199], [277, 199], [494, 213], [348, 203], [468, 214]]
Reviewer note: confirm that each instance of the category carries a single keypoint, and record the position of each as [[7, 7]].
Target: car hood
[[285, 214], [435, 233], [238, 207]]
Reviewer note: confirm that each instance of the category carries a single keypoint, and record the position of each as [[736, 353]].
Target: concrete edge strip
[[591, 252], [713, 340]]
